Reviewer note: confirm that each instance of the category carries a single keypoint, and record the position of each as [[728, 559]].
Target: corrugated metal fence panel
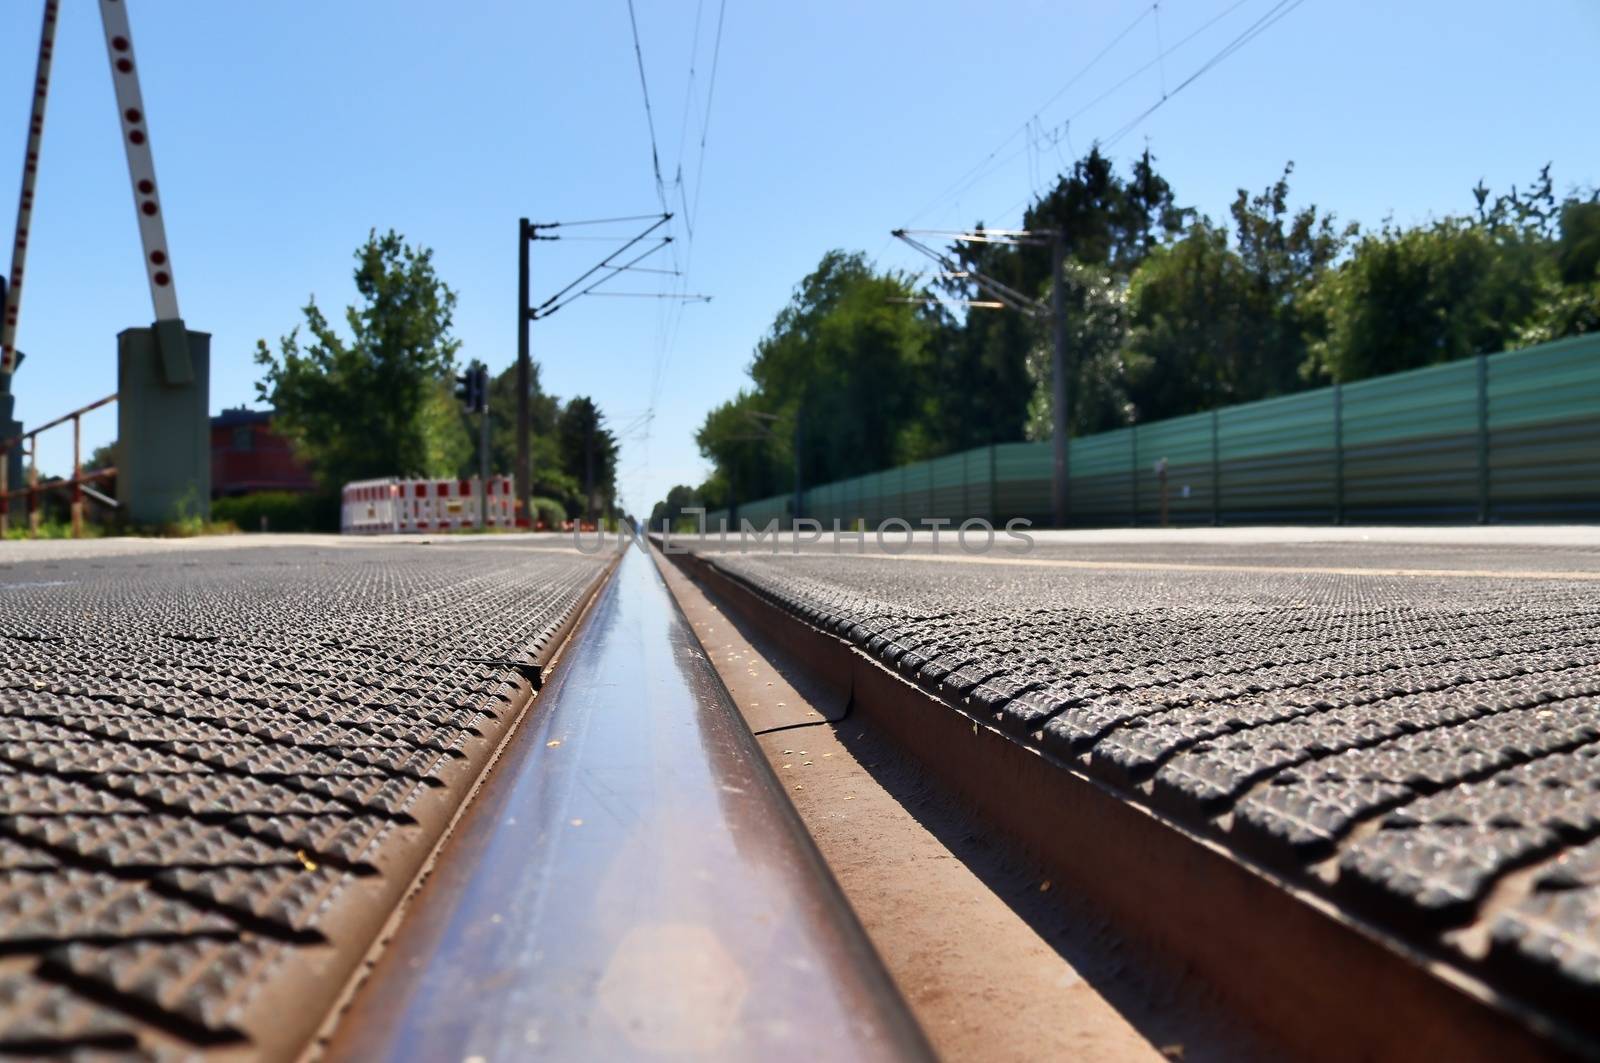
[[1100, 478], [1411, 445], [1022, 473], [760, 513], [1544, 431], [1411, 450], [1185, 443], [1557, 381], [948, 489], [1277, 459], [880, 504]]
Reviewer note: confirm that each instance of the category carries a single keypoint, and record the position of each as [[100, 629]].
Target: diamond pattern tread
[[1421, 751], [220, 771]]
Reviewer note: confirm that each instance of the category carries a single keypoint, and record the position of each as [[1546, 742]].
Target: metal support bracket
[[172, 344]]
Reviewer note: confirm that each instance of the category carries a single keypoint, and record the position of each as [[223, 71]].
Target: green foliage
[[1167, 313], [551, 477], [550, 511], [669, 513], [379, 403], [55, 528], [1097, 335], [1571, 305], [588, 451], [285, 511], [840, 363], [102, 457], [1416, 297]]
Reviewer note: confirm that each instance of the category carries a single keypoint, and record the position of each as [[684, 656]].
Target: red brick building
[[247, 455]]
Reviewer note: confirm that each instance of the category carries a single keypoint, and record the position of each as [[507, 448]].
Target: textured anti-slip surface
[[1424, 751], [220, 770]]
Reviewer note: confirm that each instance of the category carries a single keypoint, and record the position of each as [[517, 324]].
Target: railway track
[[495, 798]]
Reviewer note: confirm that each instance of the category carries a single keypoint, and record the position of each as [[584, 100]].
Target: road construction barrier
[[371, 507]]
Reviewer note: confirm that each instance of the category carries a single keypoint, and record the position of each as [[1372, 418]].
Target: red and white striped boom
[[141, 163], [30, 174]]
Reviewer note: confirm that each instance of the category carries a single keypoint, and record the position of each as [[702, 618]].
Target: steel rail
[[631, 881]]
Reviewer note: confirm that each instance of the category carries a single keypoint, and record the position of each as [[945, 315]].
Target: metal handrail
[[77, 484]]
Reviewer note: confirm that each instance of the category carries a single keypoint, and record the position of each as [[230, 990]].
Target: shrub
[[285, 511], [551, 512]]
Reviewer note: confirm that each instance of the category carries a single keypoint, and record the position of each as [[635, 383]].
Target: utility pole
[[799, 478], [1060, 386], [525, 234], [588, 464], [483, 445], [527, 314]]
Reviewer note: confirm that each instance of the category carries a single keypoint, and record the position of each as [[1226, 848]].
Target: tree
[[669, 512], [985, 369], [1191, 326], [551, 476], [842, 369], [589, 453], [749, 461], [1571, 304], [1097, 332], [379, 403], [1414, 297], [1282, 263], [1522, 269]]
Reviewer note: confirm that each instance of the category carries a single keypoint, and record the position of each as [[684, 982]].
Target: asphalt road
[[222, 763], [1405, 723]]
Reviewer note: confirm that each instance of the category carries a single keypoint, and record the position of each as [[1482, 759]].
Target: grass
[[186, 528]]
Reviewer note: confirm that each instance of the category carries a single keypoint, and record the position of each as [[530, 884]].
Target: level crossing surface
[[1402, 725], [222, 765]]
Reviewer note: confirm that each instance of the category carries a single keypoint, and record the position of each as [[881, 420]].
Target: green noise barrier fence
[[1504, 437]]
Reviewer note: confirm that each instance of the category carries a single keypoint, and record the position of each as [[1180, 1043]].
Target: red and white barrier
[[371, 507]]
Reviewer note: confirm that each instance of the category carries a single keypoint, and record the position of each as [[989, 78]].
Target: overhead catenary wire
[[1254, 30], [546, 308], [673, 315], [649, 114], [1082, 71], [661, 220], [1003, 292], [1248, 34], [675, 280], [653, 295], [705, 122], [595, 221], [992, 164]]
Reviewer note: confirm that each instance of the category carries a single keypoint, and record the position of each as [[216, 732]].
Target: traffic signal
[[472, 388]]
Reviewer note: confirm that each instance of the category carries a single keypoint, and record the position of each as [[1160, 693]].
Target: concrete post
[[163, 426], [9, 428]]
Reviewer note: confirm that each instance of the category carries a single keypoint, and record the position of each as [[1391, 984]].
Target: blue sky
[[284, 131]]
